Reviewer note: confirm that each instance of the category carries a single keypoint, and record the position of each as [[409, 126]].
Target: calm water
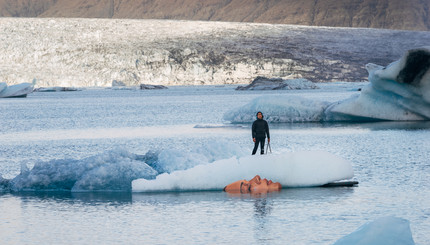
[[390, 160]]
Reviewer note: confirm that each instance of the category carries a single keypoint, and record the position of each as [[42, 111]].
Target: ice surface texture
[[400, 91]]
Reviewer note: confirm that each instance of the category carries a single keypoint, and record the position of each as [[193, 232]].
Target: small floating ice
[[386, 230], [56, 89], [17, 90]]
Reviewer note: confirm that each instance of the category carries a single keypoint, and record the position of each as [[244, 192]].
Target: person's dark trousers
[[261, 142]]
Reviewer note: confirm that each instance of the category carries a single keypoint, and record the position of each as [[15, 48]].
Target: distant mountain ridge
[[387, 14]]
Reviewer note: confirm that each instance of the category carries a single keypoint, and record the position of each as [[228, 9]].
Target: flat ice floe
[[296, 169]]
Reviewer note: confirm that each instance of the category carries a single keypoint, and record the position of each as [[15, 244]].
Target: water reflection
[[262, 209], [263, 203], [87, 198], [299, 194], [178, 198]]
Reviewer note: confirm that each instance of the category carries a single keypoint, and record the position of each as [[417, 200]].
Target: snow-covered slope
[[94, 52]]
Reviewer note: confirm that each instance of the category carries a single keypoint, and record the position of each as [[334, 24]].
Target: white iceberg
[[17, 90], [386, 230], [400, 92], [298, 169]]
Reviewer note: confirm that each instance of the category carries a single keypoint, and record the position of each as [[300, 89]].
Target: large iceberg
[[386, 230], [17, 90], [204, 167], [400, 91], [291, 169]]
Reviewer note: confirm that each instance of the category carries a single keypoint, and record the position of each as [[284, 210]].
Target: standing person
[[260, 129]]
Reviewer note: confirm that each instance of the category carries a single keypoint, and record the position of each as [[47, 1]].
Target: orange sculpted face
[[255, 185], [240, 186]]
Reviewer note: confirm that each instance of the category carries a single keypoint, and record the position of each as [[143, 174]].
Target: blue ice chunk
[[110, 171], [386, 230]]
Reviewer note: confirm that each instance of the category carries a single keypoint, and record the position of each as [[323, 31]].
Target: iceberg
[[56, 89], [264, 83], [110, 171], [386, 230], [291, 169], [4, 184], [151, 86], [201, 168], [114, 170], [17, 90], [398, 92]]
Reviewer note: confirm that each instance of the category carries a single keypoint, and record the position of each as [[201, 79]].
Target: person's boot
[[262, 152]]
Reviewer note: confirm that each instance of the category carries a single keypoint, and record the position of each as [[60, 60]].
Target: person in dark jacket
[[260, 129]]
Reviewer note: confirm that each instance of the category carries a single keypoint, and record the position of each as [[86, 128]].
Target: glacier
[[69, 52], [399, 91]]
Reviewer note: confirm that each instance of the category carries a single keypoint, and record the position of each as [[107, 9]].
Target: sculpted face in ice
[[256, 185]]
